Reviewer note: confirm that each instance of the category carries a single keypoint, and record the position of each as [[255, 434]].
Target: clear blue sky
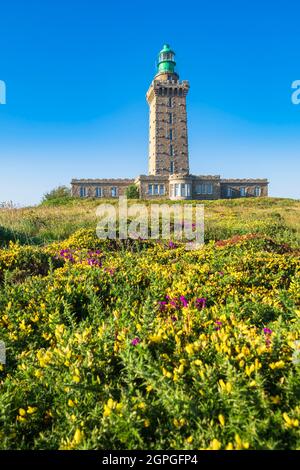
[[77, 72]]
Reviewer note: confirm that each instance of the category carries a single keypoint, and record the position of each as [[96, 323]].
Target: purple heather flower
[[135, 341], [94, 262], [267, 331], [174, 303], [200, 303], [183, 300], [173, 318], [171, 245], [162, 305], [219, 324]]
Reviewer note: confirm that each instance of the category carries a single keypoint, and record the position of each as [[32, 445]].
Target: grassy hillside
[[145, 344], [223, 218]]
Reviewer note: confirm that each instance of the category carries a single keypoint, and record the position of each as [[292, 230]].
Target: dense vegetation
[[144, 344]]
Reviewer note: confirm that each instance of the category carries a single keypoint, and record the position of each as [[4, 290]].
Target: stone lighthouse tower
[[168, 141]]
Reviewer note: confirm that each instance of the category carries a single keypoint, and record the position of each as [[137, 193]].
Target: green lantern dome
[[166, 62]]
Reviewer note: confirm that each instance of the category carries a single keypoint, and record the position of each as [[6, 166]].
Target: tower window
[[175, 92], [165, 91], [170, 118], [171, 134], [170, 92], [170, 103], [180, 91], [171, 167], [171, 150]]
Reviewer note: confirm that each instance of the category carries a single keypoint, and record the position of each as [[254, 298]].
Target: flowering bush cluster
[[155, 348]]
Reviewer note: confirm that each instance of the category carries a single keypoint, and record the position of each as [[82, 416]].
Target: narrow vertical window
[[257, 191], [99, 192], [171, 167], [171, 150], [161, 189], [82, 191], [243, 192], [150, 189], [156, 189], [171, 134], [170, 102], [114, 191], [170, 118]]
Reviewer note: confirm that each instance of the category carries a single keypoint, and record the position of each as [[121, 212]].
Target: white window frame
[[243, 192]]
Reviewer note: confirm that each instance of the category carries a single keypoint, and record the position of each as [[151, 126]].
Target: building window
[[156, 189], [185, 190], [114, 191], [243, 192], [171, 150], [99, 192], [82, 191], [171, 168], [229, 192], [206, 188], [170, 118], [257, 191], [161, 189], [171, 134], [180, 91], [170, 102], [177, 189]]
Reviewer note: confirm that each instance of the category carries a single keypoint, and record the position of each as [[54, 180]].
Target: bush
[[57, 196], [132, 192]]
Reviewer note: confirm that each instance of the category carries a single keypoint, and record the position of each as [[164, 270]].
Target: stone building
[[168, 165]]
